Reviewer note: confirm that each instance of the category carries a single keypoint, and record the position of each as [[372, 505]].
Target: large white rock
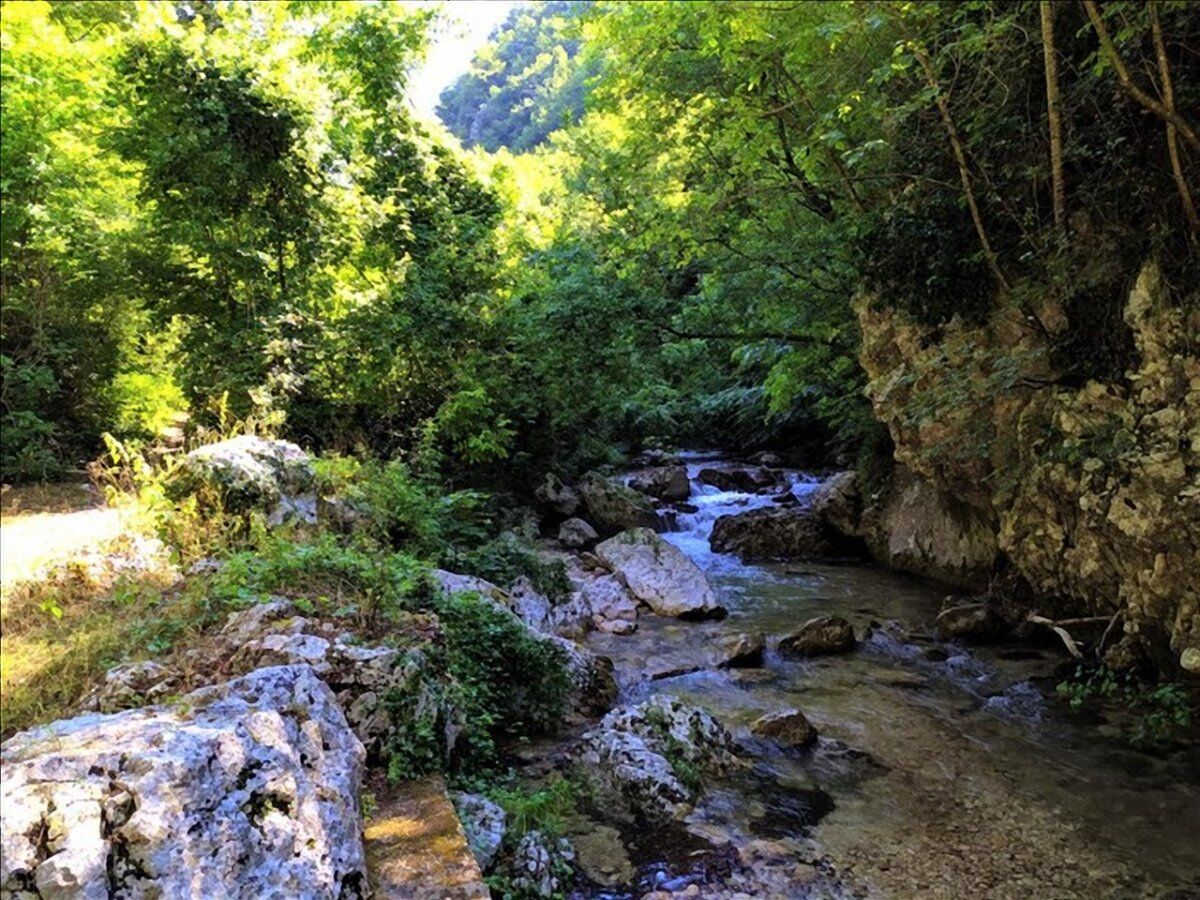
[[250, 472], [660, 575], [246, 789]]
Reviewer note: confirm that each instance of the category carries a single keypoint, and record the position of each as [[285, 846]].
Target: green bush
[[505, 558], [1159, 710], [507, 682]]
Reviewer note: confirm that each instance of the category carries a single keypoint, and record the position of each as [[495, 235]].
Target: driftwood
[[1059, 626]]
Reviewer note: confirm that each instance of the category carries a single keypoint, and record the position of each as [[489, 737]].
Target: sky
[[453, 45]]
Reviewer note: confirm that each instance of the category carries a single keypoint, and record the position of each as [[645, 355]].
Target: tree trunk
[[964, 173], [1168, 94], [1053, 119], [1110, 50]]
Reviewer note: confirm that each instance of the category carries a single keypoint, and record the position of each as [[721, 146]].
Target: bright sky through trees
[[466, 31]]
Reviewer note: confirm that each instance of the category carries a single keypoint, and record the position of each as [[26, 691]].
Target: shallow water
[[940, 772]]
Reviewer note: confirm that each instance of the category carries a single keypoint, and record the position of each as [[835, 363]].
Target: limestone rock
[[772, 533], [531, 607], [576, 534], [636, 755], [556, 496], [668, 483], [787, 727], [746, 480], [970, 622], [611, 604], [821, 636], [836, 501], [613, 507], [249, 472], [541, 866], [484, 823], [739, 651], [130, 685], [246, 789], [660, 575]]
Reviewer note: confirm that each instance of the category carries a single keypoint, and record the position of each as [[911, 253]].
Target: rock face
[[837, 501], [246, 789], [645, 758], [1105, 504], [821, 636], [926, 532], [747, 480], [787, 727], [772, 533], [576, 534], [249, 472], [557, 497], [660, 575], [668, 483], [484, 823], [613, 507]]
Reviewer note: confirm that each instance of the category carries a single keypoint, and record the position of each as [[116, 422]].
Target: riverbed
[[941, 772]]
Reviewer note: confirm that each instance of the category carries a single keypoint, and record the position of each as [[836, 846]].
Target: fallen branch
[[1067, 640]]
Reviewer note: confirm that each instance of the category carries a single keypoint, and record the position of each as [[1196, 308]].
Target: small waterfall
[[694, 528]]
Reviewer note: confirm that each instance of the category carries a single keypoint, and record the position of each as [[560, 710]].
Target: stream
[[940, 771]]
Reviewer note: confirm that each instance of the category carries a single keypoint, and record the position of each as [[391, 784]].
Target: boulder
[[787, 727], [576, 534], [557, 497], [660, 575], [836, 501], [454, 583], [484, 823], [772, 533], [647, 759], [746, 480], [613, 507], [668, 483], [613, 607], [252, 473], [971, 622], [593, 687], [739, 651], [821, 636], [245, 789], [541, 866], [531, 606]]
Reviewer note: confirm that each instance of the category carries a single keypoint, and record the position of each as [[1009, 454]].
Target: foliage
[[1159, 711], [530, 80], [509, 682]]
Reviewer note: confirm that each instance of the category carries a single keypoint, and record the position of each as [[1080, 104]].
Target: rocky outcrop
[[787, 727], [668, 483], [772, 533], [576, 534], [821, 636], [660, 575], [838, 503], [646, 758], [613, 507], [1091, 492], [245, 789], [251, 473]]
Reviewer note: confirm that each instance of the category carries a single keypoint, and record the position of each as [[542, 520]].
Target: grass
[[63, 631]]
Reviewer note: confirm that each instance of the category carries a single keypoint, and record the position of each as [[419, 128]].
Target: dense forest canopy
[[529, 80], [229, 210]]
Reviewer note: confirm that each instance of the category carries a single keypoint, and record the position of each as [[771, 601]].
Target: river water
[[941, 772]]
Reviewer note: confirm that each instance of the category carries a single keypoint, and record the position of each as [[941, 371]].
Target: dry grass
[[67, 612]]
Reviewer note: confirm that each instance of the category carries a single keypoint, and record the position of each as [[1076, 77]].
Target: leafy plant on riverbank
[[1158, 711]]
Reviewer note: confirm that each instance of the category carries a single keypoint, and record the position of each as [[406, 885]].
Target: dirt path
[[43, 525]]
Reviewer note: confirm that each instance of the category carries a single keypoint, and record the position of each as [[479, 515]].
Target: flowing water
[[940, 772]]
